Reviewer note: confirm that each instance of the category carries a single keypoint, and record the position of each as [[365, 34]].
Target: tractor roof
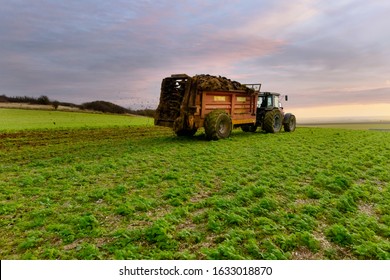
[[265, 93]]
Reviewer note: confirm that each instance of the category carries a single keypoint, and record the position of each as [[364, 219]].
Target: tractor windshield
[[265, 101]]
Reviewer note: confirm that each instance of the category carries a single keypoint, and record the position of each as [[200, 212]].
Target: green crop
[[140, 192], [18, 119]]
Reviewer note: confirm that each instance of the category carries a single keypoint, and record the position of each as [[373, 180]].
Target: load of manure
[[211, 83]]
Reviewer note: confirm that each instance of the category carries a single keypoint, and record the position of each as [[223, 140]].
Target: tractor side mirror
[[286, 98]]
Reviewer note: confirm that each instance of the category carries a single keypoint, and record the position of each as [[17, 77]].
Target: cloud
[[338, 46], [120, 51]]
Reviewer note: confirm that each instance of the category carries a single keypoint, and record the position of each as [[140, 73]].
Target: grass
[[139, 192], [19, 119], [384, 125]]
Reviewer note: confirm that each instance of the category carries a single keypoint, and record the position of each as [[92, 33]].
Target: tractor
[[270, 116]]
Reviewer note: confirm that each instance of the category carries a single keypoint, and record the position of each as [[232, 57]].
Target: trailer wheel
[[217, 125], [272, 121], [289, 122]]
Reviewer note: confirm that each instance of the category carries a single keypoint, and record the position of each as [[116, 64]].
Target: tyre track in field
[[26, 146], [54, 137]]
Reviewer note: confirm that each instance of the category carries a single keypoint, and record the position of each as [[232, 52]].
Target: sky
[[332, 58]]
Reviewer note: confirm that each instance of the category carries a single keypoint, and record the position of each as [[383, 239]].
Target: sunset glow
[[332, 58]]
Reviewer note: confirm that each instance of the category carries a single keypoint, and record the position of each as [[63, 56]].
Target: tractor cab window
[[276, 101], [269, 101], [261, 102], [266, 101]]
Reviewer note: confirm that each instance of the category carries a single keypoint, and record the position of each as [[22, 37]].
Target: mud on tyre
[[217, 125], [273, 121]]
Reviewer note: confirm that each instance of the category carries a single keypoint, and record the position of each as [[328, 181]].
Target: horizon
[[317, 119]]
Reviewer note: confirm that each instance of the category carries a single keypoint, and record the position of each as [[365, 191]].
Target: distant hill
[[99, 106], [105, 107]]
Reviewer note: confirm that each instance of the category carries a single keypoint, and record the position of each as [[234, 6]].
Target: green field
[[19, 119], [381, 126], [139, 192]]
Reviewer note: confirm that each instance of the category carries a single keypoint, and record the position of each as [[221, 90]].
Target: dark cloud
[[119, 51]]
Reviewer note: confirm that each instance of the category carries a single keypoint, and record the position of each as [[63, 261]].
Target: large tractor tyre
[[217, 125], [289, 122], [249, 128], [272, 121]]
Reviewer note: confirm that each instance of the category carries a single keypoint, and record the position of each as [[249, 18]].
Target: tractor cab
[[269, 101]]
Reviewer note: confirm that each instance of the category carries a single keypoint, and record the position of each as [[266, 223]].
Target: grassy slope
[[19, 119], [142, 193]]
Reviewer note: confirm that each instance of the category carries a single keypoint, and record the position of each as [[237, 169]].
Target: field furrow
[[142, 193]]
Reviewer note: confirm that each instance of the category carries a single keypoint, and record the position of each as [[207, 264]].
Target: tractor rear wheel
[[272, 121], [289, 122], [217, 125]]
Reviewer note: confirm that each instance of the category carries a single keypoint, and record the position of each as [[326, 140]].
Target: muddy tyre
[[272, 121], [217, 125], [289, 122]]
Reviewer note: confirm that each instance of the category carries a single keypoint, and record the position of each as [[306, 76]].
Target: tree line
[[100, 106]]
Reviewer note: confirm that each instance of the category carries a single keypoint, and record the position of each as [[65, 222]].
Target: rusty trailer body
[[217, 104]]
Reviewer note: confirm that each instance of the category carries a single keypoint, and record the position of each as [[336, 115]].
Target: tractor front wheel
[[289, 122], [217, 125]]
